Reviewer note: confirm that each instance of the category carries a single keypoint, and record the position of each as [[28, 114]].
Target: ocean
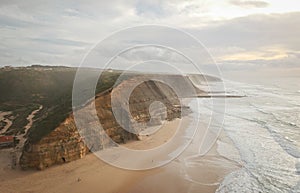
[[258, 149], [265, 128]]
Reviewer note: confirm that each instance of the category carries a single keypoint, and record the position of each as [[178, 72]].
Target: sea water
[[265, 128]]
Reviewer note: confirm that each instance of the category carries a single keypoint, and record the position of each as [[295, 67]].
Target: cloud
[[249, 3], [64, 42], [150, 8], [253, 41], [61, 32], [252, 33], [55, 32]]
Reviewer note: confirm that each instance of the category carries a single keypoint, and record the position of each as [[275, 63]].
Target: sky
[[237, 33]]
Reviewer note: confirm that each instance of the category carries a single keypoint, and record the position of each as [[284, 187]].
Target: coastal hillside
[[36, 108], [25, 89]]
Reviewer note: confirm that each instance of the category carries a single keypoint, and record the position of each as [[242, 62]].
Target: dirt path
[[21, 138], [6, 120]]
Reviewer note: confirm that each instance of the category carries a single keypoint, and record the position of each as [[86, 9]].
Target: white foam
[[268, 166]]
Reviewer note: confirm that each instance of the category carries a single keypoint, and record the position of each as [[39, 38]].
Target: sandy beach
[[90, 174]]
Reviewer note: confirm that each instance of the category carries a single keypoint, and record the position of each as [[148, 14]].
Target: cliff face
[[65, 144]]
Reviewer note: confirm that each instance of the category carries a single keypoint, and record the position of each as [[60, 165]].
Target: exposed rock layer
[[65, 144]]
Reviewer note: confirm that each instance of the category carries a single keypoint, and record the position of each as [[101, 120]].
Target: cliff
[[65, 144]]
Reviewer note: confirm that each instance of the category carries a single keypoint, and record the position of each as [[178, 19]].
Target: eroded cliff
[[65, 144]]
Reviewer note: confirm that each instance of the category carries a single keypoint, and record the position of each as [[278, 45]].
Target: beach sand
[[187, 173]]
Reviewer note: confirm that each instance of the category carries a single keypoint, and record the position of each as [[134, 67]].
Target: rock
[[65, 144]]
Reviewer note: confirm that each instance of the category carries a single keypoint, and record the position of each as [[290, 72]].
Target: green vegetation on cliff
[[25, 89]]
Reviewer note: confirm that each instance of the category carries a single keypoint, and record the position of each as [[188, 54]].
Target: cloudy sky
[[236, 32]]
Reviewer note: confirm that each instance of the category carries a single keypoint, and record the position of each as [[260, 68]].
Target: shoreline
[[91, 174]]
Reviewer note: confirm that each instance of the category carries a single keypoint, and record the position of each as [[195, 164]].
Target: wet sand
[[187, 173]]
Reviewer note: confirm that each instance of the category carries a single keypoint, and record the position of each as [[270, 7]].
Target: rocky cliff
[[65, 144]]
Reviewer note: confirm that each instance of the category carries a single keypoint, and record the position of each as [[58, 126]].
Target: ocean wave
[[264, 127], [285, 143]]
